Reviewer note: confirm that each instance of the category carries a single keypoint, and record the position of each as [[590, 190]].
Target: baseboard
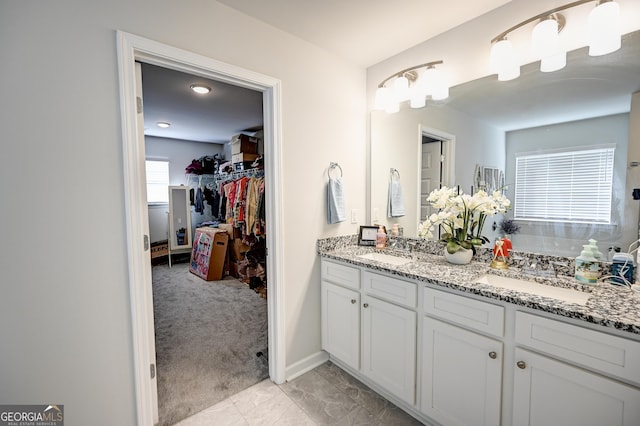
[[306, 364]]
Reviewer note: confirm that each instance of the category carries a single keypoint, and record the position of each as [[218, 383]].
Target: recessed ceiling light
[[200, 88], [163, 124]]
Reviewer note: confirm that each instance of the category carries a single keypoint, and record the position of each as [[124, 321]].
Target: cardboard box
[[209, 253], [238, 250], [242, 157], [245, 144], [233, 269], [231, 230]]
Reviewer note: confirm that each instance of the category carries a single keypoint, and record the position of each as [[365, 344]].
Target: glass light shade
[[503, 61], [509, 72], [441, 92], [401, 89], [417, 99], [382, 96], [501, 55], [553, 63], [604, 29], [392, 106], [545, 40]]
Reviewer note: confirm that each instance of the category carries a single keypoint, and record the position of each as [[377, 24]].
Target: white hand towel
[[336, 211], [396, 204]]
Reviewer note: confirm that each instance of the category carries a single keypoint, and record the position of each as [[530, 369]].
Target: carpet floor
[[207, 336]]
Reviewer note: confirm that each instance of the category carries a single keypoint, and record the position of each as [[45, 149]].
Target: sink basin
[[386, 258], [559, 293]]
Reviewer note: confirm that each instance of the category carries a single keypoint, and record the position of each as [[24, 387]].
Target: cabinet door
[[461, 375], [549, 392], [389, 347], [341, 323]]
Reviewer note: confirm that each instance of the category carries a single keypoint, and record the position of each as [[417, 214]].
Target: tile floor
[[324, 396]]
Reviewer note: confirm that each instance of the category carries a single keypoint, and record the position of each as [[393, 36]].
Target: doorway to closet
[[132, 48], [210, 329]]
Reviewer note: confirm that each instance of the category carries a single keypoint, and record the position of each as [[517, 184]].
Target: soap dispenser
[[594, 249], [381, 238], [587, 266]]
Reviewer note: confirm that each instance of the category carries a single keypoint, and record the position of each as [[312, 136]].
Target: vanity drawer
[[391, 289], [480, 316], [593, 349], [347, 276]]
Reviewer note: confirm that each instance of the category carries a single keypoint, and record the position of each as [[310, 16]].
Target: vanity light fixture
[[163, 124], [414, 84], [602, 29], [200, 89]]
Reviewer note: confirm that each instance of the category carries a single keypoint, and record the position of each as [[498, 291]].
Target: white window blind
[[157, 181], [573, 186]]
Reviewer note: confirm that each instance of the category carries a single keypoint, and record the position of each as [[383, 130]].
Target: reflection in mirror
[[486, 122]]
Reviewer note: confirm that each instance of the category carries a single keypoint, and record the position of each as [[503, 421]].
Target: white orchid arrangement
[[462, 216]]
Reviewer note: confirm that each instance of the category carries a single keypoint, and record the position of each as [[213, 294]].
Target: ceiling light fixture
[[603, 36], [414, 84], [163, 124], [200, 89]]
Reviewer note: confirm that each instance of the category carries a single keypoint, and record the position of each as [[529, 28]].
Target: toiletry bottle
[[622, 269], [381, 238], [594, 249], [587, 266]]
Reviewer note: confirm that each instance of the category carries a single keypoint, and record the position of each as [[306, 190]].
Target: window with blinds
[[571, 186], [157, 181]]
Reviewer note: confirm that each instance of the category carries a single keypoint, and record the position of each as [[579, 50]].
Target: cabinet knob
[[493, 355], [366, 305], [353, 301], [521, 365]]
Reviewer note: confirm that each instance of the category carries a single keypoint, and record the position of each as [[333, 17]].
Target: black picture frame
[[367, 235]]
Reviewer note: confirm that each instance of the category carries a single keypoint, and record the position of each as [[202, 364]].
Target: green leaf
[[452, 247], [477, 241], [466, 244]]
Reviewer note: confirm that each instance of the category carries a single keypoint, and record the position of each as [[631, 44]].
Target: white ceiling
[[364, 31]]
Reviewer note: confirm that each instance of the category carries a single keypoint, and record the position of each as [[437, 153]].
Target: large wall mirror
[[486, 122]]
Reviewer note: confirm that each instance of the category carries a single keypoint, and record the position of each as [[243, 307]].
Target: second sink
[[559, 293], [386, 258]]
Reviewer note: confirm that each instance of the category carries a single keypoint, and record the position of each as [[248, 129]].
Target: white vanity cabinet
[[381, 316], [549, 391], [340, 312], [453, 359], [389, 334], [461, 379]]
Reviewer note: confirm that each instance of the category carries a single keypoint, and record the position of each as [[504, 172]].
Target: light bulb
[[604, 29], [503, 62], [401, 88], [545, 40]]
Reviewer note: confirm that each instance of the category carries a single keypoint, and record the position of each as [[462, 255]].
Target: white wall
[[65, 321], [567, 239]]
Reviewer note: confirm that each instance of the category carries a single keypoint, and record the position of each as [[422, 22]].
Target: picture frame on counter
[[367, 235]]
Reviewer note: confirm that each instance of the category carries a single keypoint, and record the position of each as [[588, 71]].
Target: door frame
[[132, 48], [448, 174]]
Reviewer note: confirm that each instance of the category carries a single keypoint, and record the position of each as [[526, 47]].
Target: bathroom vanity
[[453, 348]]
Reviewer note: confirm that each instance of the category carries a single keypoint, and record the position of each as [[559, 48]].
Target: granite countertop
[[608, 305]]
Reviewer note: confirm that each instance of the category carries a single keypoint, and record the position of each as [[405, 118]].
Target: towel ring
[[393, 171], [332, 166]]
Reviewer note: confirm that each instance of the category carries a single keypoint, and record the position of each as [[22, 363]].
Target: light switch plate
[[354, 215]]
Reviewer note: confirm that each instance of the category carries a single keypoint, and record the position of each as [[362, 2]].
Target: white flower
[[462, 215]]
